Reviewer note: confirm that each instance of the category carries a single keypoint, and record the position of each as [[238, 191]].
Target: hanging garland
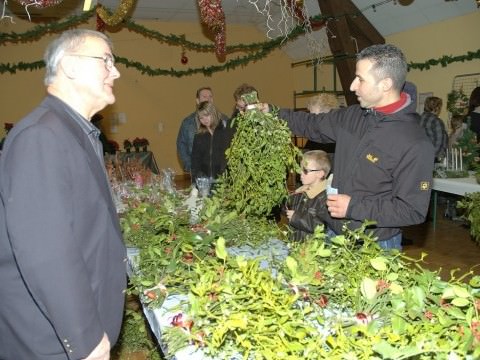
[[207, 71], [445, 60], [39, 31], [262, 48]]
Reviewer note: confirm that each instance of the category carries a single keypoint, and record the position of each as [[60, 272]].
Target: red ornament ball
[[184, 60]]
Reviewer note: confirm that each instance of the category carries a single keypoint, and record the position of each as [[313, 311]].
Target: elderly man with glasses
[[62, 265]]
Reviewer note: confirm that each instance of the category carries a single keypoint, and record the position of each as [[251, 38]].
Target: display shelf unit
[[314, 63]]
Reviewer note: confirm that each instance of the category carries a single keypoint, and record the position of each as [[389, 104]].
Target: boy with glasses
[[307, 207]]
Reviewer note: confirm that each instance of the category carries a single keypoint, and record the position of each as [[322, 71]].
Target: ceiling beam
[[350, 33]]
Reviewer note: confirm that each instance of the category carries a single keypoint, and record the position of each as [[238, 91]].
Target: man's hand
[[337, 205], [290, 214], [263, 107], [101, 351]]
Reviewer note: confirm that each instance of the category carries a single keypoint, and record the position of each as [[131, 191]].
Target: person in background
[[62, 257], [307, 207], [210, 143], [189, 128], [458, 128], [434, 126], [107, 146], [319, 104], [474, 111], [240, 104], [383, 160]]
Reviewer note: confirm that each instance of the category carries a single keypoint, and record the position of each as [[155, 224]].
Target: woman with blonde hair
[[318, 104], [322, 103], [210, 143]]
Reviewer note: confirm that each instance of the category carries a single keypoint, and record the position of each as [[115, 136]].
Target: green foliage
[[340, 301], [468, 144], [348, 299], [471, 204], [457, 102], [259, 159], [134, 336]]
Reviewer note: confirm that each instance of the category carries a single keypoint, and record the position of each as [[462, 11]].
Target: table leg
[[434, 209]]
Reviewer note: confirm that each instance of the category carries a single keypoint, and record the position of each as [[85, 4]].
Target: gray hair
[[388, 62], [69, 41]]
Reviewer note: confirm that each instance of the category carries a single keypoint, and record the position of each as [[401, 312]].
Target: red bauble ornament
[[184, 59], [100, 24], [39, 3]]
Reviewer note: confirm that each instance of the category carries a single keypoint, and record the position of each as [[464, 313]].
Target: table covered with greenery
[[342, 298]]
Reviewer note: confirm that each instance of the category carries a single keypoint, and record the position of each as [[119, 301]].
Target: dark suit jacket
[[62, 269]]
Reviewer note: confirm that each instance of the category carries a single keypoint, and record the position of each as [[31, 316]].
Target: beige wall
[[452, 37], [148, 101]]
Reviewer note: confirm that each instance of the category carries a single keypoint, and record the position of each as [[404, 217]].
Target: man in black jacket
[[383, 161]]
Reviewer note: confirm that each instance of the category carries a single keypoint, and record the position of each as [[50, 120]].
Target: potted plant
[[135, 342], [145, 144], [137, 144], [127, 145], [471, 205], [114, 146]]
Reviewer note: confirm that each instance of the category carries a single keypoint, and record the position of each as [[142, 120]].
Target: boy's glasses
[[308, 171]]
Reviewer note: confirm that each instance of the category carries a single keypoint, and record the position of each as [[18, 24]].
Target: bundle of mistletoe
[[259, 159]]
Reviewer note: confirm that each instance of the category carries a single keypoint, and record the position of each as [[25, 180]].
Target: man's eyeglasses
[[308, 171], [108, 60]]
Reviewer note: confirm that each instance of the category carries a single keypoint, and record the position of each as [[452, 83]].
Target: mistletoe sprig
[[259, 159]]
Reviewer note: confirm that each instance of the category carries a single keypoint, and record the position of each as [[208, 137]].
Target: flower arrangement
[[127, 145], [114, 145], [140, 143]]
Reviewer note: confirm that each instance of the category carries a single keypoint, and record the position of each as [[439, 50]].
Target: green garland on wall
[[261, 49], [229, 65], [41, 30], [445, 60]]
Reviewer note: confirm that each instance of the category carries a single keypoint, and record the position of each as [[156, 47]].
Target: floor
[[449, 246]]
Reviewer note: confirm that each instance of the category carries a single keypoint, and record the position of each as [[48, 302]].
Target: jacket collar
[[312, 190]]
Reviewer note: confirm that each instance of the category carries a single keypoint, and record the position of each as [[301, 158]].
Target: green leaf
[[292, 265], [368, 288], [475, 281], [220, 250], [460, 302], [379, 263], [461, 291]]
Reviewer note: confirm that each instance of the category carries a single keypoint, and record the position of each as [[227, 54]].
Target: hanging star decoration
[[212, 15]]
